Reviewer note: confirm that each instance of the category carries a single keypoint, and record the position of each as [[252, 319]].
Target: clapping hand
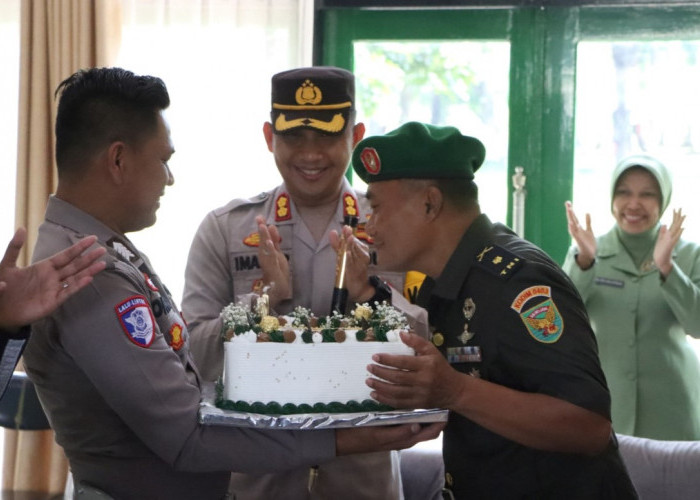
[[29, 293], [273, 263], [584, 237], [667, 239]]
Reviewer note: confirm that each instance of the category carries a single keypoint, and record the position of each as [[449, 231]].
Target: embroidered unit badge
[[176, 340], [543, 321], [137, 321]]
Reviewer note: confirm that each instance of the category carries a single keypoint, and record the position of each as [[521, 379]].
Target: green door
[[530, 120]]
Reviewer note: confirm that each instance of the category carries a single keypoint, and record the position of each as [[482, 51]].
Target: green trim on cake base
[[274, 408]]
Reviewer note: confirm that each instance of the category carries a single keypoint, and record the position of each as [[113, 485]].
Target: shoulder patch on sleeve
[[498, 261], [136, 319], [543, 320]]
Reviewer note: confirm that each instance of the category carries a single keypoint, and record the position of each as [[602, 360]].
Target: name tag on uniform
[[609, 282], [464, 354]]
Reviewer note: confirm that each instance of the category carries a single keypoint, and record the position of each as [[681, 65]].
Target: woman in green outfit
[[641, 285]]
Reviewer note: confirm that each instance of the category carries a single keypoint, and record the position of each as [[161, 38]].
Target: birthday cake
[[303, 364]]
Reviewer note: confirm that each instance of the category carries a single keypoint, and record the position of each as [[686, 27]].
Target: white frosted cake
[[299, 364]]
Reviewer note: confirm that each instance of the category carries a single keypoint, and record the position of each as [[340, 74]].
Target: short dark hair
[[98, 106]]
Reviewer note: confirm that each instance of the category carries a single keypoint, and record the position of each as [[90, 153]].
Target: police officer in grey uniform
[[513, 356], [311, 135], [112, 365]]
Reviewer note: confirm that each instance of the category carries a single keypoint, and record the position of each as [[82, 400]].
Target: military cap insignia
[[370, 159], [498, 261], [136, 319], [252, 240], [308, 93], [283, 209], [176, 340], [543, 321]]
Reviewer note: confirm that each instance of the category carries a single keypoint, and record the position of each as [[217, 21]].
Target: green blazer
[[641, 324]]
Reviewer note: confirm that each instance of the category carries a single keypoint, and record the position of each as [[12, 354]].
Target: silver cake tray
[[209, 414]]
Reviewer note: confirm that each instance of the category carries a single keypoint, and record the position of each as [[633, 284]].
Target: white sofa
[[660, 470]]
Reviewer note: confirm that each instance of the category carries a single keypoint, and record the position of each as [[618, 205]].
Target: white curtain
[[216, 58]]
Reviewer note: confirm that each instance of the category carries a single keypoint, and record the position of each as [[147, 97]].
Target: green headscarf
[[654, 167]]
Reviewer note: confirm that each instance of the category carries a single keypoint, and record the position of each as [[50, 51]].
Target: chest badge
[[468, 310], [252, 240]]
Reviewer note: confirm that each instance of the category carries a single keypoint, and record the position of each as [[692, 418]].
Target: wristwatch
[[382, 291]]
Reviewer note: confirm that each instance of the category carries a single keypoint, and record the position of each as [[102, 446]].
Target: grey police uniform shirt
[[223, 267], [113, 371]]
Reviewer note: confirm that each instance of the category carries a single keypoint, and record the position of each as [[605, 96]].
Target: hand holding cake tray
[[304, 372]]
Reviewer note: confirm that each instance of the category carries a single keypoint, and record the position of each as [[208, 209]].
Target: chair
[[19, 406]]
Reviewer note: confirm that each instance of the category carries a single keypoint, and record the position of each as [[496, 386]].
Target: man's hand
[[668, 237], [384, 438], [425, 380], [357, 265], [30, 293], [584, 238], [273, 263]]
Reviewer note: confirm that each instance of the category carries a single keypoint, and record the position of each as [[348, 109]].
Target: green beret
[[418, 151], [319, 98]]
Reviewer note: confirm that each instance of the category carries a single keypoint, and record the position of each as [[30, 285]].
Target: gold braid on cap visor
[[335, 125]]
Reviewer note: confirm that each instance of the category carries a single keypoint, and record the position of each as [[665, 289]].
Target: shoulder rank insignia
[[122, 249], [349, 205], [283, 208], [137, 321], [498, 261], [252, 240], [543, 321]]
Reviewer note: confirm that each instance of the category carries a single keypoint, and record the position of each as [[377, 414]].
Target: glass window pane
[[463, 84], [634, 97]]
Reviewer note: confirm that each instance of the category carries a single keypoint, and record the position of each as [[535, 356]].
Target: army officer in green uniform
[[512, 355]]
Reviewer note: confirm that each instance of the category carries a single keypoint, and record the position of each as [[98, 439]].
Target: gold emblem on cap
[[438, 339], [308, 93]]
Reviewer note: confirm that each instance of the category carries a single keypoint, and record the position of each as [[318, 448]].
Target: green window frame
[[543, 43]]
